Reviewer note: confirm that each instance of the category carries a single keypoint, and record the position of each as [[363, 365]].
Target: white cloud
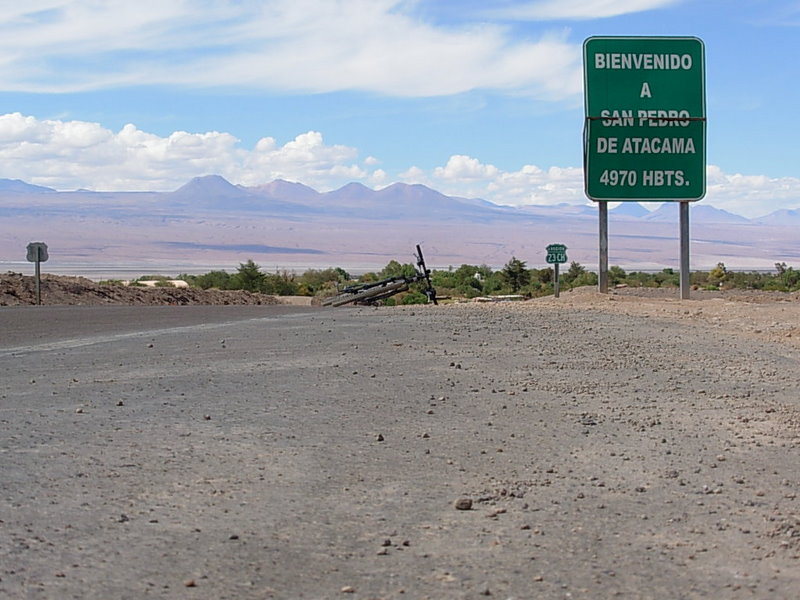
[[414, 175], [580, 9], [466, 176], [77, 154], [306, 159], [750, 195], [379, 178], [286, 45], [461, 167]]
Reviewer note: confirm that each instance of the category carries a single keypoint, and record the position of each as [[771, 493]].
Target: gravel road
[[614, 447]]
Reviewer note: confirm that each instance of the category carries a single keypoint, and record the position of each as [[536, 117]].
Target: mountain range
[[210, 221]]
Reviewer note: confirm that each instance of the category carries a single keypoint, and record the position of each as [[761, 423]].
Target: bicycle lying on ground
[[375, 291]]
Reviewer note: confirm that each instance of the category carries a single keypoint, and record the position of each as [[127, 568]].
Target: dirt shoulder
[[17, 289], [770, 316]]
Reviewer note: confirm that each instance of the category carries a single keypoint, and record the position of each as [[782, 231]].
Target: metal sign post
[[645, 126], [602, 271], [556, 283], [556, 254], [684, 224], [37, 253]]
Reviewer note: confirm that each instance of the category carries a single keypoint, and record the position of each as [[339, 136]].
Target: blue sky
[[480, 99]]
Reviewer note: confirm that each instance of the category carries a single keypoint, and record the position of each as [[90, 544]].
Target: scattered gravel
[[625, 446]]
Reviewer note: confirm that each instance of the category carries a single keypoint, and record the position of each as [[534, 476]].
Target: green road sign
[[556, 254], [645, 133]]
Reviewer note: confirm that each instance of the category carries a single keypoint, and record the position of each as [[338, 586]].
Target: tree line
[[471, 281]]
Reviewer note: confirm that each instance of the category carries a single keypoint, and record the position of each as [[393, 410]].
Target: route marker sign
[[556, 254], [645, 128], [37, 253]]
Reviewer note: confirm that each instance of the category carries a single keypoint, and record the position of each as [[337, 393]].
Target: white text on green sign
[[645, 118], [556, 254]]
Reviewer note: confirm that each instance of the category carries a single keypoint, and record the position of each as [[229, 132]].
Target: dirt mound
[[17, 289]]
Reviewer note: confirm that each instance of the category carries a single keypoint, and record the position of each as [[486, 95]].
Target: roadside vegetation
[[471, 281]]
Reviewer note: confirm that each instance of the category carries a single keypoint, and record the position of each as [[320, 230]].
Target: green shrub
[[415, 297]]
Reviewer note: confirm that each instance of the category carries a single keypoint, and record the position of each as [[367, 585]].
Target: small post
[[556, 254], [684, 225], [37, 254], [556, 285], [602, 275], [38, 277]]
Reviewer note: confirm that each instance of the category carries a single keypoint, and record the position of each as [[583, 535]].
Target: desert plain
[[623, 446]]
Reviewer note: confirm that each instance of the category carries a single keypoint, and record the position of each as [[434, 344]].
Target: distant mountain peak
[[286, 190], [630, 209], [781, 217], [352, 191], [208, 181], [700, 213], [417, 189], [354, 185], [214, 185], [20, 187]]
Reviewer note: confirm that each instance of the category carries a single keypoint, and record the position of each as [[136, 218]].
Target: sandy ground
[[622, 446]]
